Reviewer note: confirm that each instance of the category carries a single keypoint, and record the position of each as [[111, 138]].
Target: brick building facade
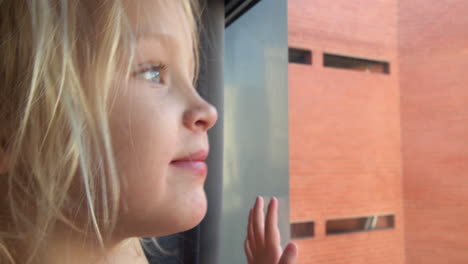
[[433, 50], [365, 143]]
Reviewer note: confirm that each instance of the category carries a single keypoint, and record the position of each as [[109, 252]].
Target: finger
[[248, 251], [258, 222], [289, 254], [250, 232], [272, 234]]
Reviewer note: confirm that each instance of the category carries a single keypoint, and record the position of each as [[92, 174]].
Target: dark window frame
[[300, 56], [301, 226], [337, 61], [343, 226]]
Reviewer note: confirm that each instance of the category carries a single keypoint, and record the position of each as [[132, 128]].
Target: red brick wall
[[345, 152], [434, 88]]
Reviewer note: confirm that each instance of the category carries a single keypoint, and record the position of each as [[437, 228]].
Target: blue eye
[[152, 73]]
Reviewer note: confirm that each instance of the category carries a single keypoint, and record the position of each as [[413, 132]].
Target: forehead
[[159, 18]]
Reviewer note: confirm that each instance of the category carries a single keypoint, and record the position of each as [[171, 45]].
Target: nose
[[201, 116]]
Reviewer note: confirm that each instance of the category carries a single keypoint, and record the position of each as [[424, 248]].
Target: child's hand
[[262, 244]]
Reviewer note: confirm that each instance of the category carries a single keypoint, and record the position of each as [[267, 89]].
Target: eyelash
[[147, 67]]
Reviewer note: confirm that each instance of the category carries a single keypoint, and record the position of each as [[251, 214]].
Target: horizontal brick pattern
[[345, 151], [362, 248], [434, 86]]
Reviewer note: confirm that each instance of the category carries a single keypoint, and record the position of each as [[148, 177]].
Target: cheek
[[144, 142], [142, 162]]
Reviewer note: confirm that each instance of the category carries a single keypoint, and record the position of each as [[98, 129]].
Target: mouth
[[194, 162]]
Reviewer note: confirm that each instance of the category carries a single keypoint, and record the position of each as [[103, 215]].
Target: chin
[[187, 216], [182, 215], [195, 214]]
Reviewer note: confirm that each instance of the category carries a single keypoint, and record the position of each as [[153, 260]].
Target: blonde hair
[[59, 61]]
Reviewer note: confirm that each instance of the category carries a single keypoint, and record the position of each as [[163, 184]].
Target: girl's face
[[159, 126]]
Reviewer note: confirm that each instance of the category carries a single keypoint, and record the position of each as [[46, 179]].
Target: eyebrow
[[162, 37]]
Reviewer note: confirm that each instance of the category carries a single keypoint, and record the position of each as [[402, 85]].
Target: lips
[[196, 156], [194, 162]]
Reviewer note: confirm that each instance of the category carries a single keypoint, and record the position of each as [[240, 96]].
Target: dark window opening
[[350, 63], [300, 56], [368, 223], [302, 230]]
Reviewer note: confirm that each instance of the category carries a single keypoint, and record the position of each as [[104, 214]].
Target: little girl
[[103, 137]]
